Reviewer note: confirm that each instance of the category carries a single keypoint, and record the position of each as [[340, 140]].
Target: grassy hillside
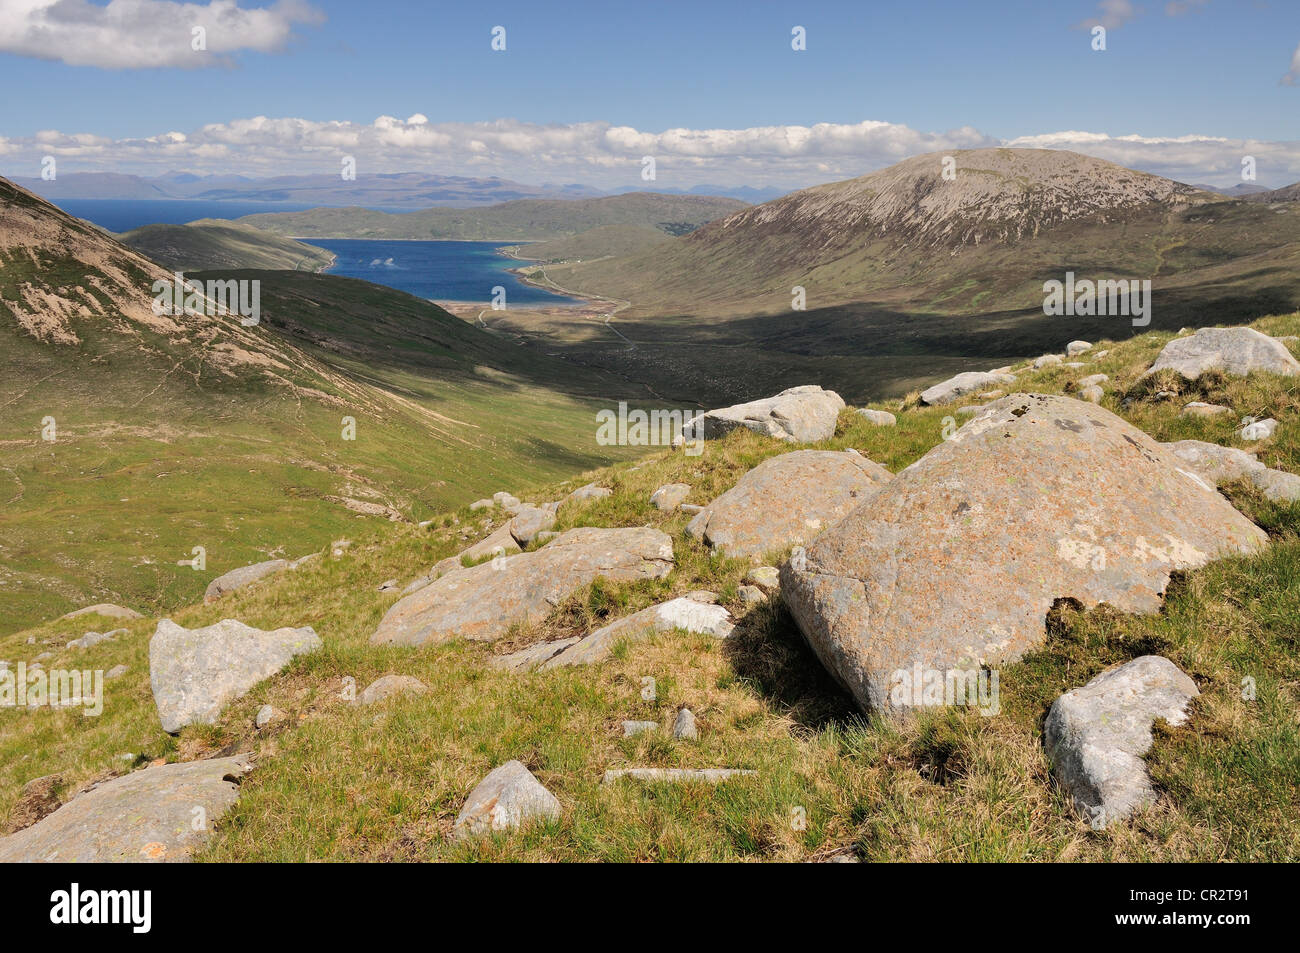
[[604, 241], [338, 782], [521, 220], [185, 431], [208, 243]]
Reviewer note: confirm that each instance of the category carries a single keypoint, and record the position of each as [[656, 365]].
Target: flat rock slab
[[959, 386], [106, 609], [881, 418], [678, 775], [787, 500], [800, 415], [1235, 351], [390, 686], [500, 542], [532, 656], [507, 798], [144, 816], [1097, 735], [956, 561], [483, 602], [244, 575], [687, 614], [195, 673]]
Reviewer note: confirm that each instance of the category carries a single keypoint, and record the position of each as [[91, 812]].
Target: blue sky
[[1003, 71]]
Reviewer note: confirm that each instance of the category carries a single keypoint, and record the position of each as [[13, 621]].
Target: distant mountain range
[[401, 190]]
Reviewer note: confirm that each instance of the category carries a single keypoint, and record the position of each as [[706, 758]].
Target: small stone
[[387, 585], [1047, 360], [633, 728], [1092, 392], [480, 505], [506, 500], [706, 596], [117, 671], [1199, 408], [670, 496], [389, 686], [684, 727], [1258, 429], [265, 715], [881, 418], [589, 492], [1075, 348], [690, 508], [765, 577], [751, 595], [508, 797], [1092, 379]]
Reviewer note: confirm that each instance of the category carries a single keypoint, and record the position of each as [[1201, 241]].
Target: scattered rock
[[702, 595], [196, 672], [589, 492], [690, 508], [966, 383], [507, 798], [697, 617], [106, 609], [1097, 735], [147, 815], [481, 603], [804, 414], [1075, 348], [1075, 502], [388, 585], [670, 496], [1199, 408], [529, 523], [532, 656], [1218, 465], [480, 505], [684, 726], [765, 577], [633, 728], [1259, 430], [501, 542], [304, 560], [117, 671], [787, 500], [94, 638], [751, 595], [881, 418], [677, 775], [506, 501], [339, 547], [1092, 393], [969, 410], [243, 576], [1235, 351], [389, 686], [1092, 379], [1047, 360], [265, 715], [1100, 354]]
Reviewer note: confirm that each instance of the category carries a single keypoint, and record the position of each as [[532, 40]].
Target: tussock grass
[[340, 782]]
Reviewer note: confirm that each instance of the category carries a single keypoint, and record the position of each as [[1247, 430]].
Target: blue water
[[442, 271], [122, 215]]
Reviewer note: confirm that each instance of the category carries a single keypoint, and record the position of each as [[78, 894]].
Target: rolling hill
[[130, 437], [522, 220], [210, 243]]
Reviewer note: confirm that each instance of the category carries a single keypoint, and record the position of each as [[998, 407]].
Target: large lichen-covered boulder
[[484, 601], [144, 816], [799, 415], [243, 576], [1096, 735], [787, 500], [1236, 351], [956, 561], [969, 382], [195, 673]]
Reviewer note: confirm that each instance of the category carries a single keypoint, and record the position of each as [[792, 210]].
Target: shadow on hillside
[[767, 651]]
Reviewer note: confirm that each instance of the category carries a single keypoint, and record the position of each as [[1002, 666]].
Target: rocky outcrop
[[959, 386], [1218, 465], [506, 799], [244, 575], [956, 561], [1235, 351], [1097, 735], [787, 500], [195, 673], [481, 603], [147, 815], [799, 415]]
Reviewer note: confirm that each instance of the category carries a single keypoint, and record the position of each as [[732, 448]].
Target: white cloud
[[1111, 14], [1292, 76], [139, 34], [606, 155]]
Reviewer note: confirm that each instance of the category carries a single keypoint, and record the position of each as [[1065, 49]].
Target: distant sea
[[441, 271], [122, 215]]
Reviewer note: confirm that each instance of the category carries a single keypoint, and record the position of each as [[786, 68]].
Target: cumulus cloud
[[1292, 76], [1176, 8], [1111, 14], [138, 34], [606, 155]]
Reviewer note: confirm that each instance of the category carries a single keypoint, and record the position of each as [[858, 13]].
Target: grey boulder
[[959, 386], [1097, 735], [244, 575], [506, 799], [1235, 351], [195, 673], [390, 686], [787, 500], [956, 561], [670, 496], [799, 415]]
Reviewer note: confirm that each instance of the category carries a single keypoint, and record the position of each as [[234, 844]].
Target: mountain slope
[[210, 243], [523, 220], [171, 432]]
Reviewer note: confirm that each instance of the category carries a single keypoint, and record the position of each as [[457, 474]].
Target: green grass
[[338, 782]]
